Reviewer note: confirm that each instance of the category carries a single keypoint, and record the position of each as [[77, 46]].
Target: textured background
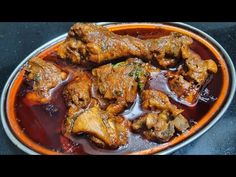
[[17, 40]]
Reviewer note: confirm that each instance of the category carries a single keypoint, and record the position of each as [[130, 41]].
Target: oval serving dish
[[21, 140]]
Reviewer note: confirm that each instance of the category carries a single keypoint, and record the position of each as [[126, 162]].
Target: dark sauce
[[44, 123]]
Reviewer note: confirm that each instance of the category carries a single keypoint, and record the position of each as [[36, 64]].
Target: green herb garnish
[[140, 86], [118, 64], [137, 72], [37, 77]]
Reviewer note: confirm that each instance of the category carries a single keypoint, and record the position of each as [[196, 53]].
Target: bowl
[[21, 140]]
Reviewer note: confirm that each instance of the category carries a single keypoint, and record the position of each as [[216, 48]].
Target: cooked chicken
[[187, 82], [197, 68], [160, 124], [77, 95], [181, 123], [159, 127], [85, 115], [100, 90], [91, 43], [184, 89], [158, 101], [120, 82], [114, 83], [78, 92], [104, 129], [154, 126], [44, 77]]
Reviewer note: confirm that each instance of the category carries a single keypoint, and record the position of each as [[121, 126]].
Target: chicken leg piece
[[92, 43]]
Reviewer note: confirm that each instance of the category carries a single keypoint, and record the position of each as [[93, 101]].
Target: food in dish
[[100, 75]]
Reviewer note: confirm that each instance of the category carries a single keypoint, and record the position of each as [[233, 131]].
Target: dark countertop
[[17, 40]]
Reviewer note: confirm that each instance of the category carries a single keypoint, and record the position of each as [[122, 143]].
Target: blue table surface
[[18, 39]]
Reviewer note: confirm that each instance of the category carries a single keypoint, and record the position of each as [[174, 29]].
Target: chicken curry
[[107, 90]]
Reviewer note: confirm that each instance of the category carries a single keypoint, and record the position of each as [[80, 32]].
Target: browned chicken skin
[[78, 92], [77, 95], [91, 43], [184, 89], [198, 69], [154, 126], [105, 129], [160, 124], [155, 100], [45, 76], [187, 82], [120, 82]]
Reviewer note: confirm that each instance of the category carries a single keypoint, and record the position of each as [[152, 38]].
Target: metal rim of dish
[[54, 41]]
